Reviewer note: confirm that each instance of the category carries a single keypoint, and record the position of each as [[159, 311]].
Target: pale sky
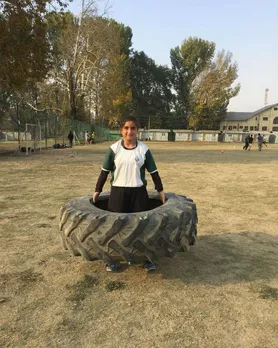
[[249, 29]]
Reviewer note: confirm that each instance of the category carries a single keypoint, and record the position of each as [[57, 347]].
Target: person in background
[[260, 142], [70, 137], [246, 145], [93, 138], [89, 137], [127, 160], [264, 142], [250, 142]]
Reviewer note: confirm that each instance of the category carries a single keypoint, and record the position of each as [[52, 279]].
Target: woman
[[127, 160]]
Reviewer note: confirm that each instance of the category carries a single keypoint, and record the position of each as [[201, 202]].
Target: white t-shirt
[[128, 166]]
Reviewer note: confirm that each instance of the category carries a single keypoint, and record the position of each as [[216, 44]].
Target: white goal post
[[33, 137]]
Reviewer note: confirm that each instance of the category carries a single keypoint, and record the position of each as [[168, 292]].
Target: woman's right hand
[[95, 196], [162, 197]]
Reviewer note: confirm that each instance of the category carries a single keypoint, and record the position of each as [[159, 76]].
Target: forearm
[[157, 182], [101, 180]]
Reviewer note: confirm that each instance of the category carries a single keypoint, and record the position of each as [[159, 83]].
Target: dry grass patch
[[80, 290], [223, 293]]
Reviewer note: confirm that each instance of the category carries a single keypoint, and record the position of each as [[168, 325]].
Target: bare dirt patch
[[222, 293]]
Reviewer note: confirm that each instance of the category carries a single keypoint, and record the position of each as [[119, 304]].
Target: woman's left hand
[[162, 197], [95, 196]]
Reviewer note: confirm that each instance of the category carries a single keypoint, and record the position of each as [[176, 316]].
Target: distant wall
[[201, 136]]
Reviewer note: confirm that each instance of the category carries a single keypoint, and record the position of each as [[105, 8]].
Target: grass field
[[222, 293]]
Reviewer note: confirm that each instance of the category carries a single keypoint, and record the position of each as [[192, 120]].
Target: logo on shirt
[[137, 158]]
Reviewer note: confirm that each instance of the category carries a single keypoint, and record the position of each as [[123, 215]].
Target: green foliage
[[124, 36], [24, 48], [196, 55], [151, 91], [188, 61], [115, 94], [203, 85], [212, 91], [84, 68], [180, 84], [57, 23], [89, 72]]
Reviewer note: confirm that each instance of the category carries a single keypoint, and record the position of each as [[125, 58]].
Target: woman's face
[[129, 131]]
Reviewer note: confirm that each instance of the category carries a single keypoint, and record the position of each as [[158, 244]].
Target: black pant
[[245, 147], [128, 199]]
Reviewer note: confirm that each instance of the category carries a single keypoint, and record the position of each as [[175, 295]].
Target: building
[[262, 120]]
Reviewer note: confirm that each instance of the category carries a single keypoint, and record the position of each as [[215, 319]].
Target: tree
[[103, 66], [151, 91], [115, 94], [188, 61], [23, 44], [212, 91], [89, 66], [24, 50]]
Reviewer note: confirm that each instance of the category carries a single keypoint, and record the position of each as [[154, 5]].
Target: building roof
[[237, 116], [243, 116]]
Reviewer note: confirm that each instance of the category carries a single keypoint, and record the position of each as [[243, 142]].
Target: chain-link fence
[[49, 130]]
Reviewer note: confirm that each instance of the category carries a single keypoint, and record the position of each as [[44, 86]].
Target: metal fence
[[47, 130]]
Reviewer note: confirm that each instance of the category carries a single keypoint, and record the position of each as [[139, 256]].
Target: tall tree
[[116, 90], [151, 91], [89, 67], [212, 91], [23, 44], [188, 61]]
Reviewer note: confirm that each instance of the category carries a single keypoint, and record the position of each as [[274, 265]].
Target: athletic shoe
[[149, 266], [113, 267]]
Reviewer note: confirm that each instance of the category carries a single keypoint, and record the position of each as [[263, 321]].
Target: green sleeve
[[149, 162], [108, 163]]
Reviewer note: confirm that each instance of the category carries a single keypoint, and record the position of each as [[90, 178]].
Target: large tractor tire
[[90, 230]]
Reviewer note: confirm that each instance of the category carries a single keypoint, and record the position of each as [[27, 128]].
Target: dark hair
[[131, 119]]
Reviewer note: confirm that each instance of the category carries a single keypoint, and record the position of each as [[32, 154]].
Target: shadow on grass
[[225, 259]]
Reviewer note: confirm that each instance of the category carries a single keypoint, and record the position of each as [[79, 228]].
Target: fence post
[[45, 130], [55, 129]]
